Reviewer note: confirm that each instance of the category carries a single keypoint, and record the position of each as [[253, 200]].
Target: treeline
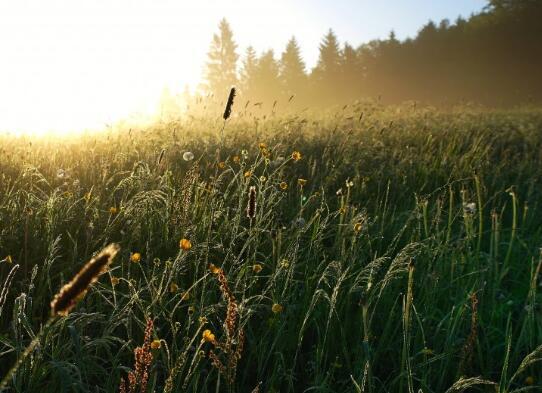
[[493, 58]]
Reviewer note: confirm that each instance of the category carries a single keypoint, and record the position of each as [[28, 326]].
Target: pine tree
[[266, 81], [221, 73], [292, 70], [330, 57], [326, 75], [248, 73], [351, 73]]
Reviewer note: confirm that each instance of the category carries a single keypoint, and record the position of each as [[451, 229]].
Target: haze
[[71, 65]]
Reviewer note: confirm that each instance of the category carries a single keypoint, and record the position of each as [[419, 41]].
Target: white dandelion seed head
[[188, 156], [469, 208]]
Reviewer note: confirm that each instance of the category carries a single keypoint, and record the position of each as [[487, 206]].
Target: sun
[[74, 66]]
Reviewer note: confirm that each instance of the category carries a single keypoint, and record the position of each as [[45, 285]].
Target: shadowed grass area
[[387, 250]]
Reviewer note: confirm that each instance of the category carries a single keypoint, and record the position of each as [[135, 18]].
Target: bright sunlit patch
[[70, 66]]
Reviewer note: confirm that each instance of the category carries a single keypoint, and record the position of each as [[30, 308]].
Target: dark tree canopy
[[492, 58]]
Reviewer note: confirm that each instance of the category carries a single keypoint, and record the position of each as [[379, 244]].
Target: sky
[[67, 65]]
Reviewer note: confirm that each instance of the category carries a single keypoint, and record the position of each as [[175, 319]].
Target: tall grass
[[401, 252]]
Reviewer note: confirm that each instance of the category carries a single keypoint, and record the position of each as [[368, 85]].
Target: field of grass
[[390, 250]]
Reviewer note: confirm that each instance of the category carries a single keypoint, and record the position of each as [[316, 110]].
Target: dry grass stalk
[[251, 207], [74, 291], [229, 104]]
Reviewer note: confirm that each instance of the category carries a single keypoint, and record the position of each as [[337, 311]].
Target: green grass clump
[[385, 250]]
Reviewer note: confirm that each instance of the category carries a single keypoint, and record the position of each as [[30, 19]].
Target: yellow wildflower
[[276, 308], [257, 268], [221, 165], [191, 310], [236, 159], [207, 336], [283, 186], [156, 344], [262, 146], [115, 281], [214, 269], [301, 182], [113, 210], [358, 227], [248, 174], [296, 156], [173, 287], [263, 179], [136, 257], [185, 296], [9, 259], [185, 244]]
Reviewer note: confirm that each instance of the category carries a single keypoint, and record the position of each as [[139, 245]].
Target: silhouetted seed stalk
[[229, 104], [74, 291], [68, 296], [227, 113]]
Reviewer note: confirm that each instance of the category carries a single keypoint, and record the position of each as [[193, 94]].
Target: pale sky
[[73, 64]]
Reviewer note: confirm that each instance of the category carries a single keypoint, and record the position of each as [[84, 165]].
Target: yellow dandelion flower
[[284, 264], [257, 268], [236, 159], [262, 146], [301, 182], [276, 308], [266, 153], [529, 380], [263, 179], [283, 186], [185, 244], [358, 227], [221, 165], [214, 269], [136, 257], [113, 210], [248, 174], [296, 156], [9, 259], [173, 287], [202, 320], [342, 210], [207, 336], [185, 296], [115, 281], [156, 344]]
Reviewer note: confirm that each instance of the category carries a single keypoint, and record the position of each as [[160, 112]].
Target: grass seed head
[[73, 291]]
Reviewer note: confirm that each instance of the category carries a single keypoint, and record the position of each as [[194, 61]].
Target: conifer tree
[[221, 72], [292, 70]]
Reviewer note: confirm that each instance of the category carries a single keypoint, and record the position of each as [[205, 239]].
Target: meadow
[[361, 249]]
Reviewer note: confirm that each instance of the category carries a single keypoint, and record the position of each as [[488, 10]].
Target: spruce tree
[[248, 74], [221, 72], [292, 70]]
